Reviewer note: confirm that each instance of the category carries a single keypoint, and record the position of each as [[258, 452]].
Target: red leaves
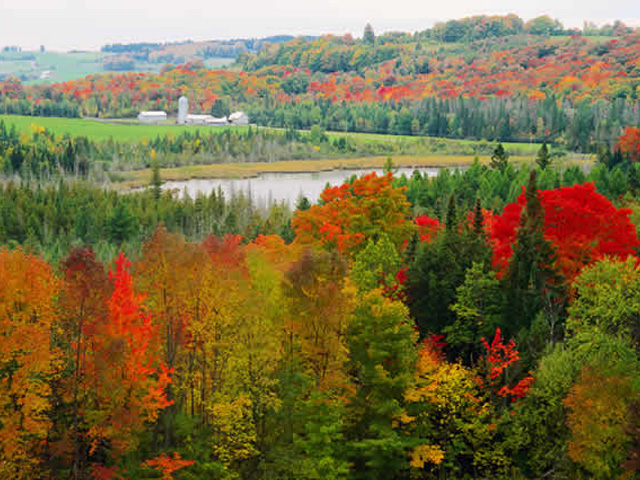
[[124, 376], [428, 227], [499, 357], [166, 464], [582, 225]]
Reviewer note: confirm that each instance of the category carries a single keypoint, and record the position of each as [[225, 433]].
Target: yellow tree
[[171, 272], [598, 415], [27, 313], [450, 420], [319, 299]]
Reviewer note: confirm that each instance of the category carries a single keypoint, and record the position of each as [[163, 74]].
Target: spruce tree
[[369, 37], [499, 159], [156, 180], [544, 158], [478, 219], [531, 273]]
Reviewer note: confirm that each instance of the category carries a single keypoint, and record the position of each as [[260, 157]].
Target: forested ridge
[[493, 78]]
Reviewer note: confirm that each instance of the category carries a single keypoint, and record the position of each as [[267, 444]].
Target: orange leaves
[[353, 212], [123, 370], [629, 143], [27, 315], [426, 454], [598, 414], [167, 464]]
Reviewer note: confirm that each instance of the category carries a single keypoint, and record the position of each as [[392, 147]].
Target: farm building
[[205, 120], [152, 116], [239, 118]]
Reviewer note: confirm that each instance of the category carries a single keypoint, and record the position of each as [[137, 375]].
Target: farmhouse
[[239, 118], [152, 116]]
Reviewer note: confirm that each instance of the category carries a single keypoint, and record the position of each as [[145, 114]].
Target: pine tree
[[369, 37], [478, 219], [544, 158], [499, 159], [156, 179], [531, 274]]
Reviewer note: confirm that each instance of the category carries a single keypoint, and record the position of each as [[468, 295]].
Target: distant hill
[[493, 78], [188, 51]]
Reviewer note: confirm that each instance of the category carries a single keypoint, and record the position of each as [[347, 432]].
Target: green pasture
[[129, 131], [100, 129], [66, 66]]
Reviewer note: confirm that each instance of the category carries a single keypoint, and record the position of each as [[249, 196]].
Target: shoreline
[[237, 171]]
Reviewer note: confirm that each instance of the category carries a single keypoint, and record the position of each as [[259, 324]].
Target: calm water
[[269, 187]]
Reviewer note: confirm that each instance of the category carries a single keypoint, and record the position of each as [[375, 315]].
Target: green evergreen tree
[[478, 219], [369, 36], [544, 158], [500, 158], [122, 224], [531, 274], [382, 358], [156, 179], [303, 203]]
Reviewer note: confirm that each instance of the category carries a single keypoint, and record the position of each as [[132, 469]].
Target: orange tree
[[353, 212], [629, 143], [27, 361]]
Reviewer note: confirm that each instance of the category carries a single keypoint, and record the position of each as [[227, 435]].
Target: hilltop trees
[[369, 37]]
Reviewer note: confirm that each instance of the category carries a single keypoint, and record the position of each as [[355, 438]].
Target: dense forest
[[493, 78], [481, 324]]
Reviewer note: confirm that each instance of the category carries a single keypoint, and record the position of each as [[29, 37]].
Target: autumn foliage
[[580, 223], [168, 464], [123, 369], [27, 360], [629, 143], [499, 356], [225, 355], [350, 213]]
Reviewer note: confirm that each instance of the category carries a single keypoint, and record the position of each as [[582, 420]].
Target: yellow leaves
[[36, 129], [426, 454], [598, 415], [27, 314], [235, 435]]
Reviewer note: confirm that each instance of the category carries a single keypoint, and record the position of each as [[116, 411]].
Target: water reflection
[[288, 187]]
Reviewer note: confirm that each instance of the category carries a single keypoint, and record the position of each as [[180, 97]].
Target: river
[[276, 187]]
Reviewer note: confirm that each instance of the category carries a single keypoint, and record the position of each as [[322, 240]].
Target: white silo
[[183, 110]]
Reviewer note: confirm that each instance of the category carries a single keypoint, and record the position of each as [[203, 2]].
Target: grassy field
[[99, 130], [129, 131], [65, 66], [522, 149]]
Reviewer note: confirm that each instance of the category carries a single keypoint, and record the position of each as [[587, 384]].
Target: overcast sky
[[88, 24]]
